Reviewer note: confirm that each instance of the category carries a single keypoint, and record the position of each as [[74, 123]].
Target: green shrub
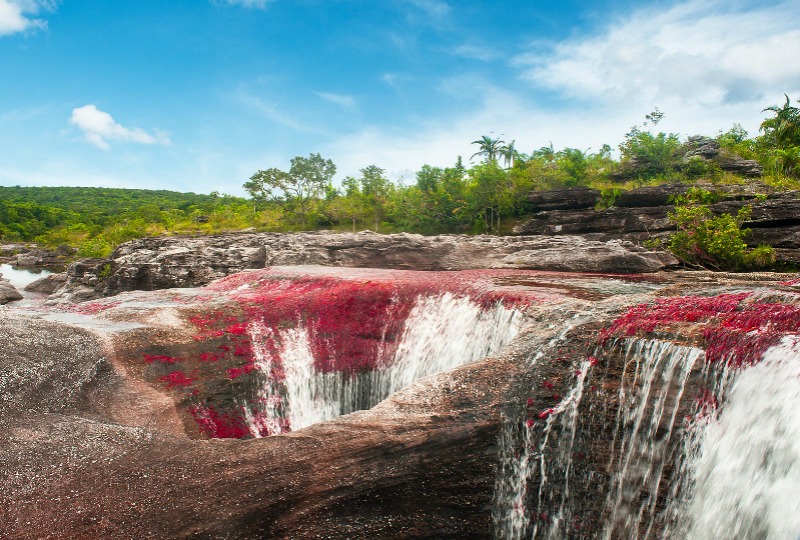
[[715, 242], [96, 248]]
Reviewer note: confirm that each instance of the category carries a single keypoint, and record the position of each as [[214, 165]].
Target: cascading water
[[746, 470], [440, 333], [656, 439], [648, 407]]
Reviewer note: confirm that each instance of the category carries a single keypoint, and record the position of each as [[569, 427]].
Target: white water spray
[[747, 470], [440, 333]]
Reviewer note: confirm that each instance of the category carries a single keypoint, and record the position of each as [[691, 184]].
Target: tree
[[784, 128], [295, 190], [377, 191], [489, 148], [509, 154], [490, 194]]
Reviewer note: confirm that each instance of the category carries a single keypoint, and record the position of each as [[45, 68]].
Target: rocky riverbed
[[249, 395]]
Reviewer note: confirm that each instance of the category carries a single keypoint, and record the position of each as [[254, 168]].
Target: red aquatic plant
[[176, 379], [735, 328]]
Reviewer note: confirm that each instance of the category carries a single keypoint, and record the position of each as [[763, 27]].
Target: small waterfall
[[746, 470], [651, 386], [648, 407], [519, 458], [440, 333]]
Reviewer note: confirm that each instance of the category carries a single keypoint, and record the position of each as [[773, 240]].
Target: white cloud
[[99, 128], [272, 111], [344, 101], [16, 15], [706, 52], [257, 4]]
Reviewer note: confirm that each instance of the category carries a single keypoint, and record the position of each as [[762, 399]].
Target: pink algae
[[160, 358], [177, 379], [736, 328]]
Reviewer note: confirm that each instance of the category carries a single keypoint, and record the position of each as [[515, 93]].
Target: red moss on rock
[[176, 379], [161, 358], [219, 425], [736, 328]]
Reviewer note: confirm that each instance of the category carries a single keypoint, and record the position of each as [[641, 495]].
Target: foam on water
[[747, 469], [441, 333]]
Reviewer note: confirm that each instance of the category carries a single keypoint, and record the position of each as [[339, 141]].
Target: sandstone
[[564, 199], [169, 262], [8, 293], [95, 445], [47, 284]]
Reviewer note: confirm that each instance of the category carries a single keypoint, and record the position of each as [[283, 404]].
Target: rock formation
[[643, 213], [107, 407], [8, 293], [167, 262]]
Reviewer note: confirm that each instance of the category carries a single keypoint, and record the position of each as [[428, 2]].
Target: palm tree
[[547, 153], [784, 128], [490, 148], [509, 154]]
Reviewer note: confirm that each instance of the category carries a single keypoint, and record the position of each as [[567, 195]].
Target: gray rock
[[564, 199], [168, 262], [47, 284], [8, 293]]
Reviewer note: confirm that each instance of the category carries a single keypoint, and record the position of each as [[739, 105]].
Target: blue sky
[[196, 95]]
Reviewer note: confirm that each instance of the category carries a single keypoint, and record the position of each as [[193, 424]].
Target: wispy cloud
[[700, 51], [271, 111], [99, 128], [343, 101], [706, 64], [476, 52], [18, 15], [257, 4]]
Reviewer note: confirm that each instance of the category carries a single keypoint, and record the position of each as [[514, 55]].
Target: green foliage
[[652, 154], [608, 196], [105, 271], [715, 242], [294, 191], [697, 195]]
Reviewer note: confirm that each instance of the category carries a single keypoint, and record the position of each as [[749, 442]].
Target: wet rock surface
[[93, 444]]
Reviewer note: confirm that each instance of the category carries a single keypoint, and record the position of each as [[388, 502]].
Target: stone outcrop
[[8, 293], [93, 446], [31, 255], [707, 149], [643, 213], [47, 284], [704, 150], [168, 262]]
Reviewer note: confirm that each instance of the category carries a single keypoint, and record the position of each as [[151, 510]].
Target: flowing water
[[728, 470], [441, 333], [746, 470]]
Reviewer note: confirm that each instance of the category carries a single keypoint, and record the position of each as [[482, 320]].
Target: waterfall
[[440, 333], [519, 459], [651, 386], [746, 470], [648, 407]]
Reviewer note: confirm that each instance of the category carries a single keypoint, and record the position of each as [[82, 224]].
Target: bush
[[715, 242]]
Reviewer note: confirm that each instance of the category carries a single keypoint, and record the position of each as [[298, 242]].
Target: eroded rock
[[168, 262], [8, 293]]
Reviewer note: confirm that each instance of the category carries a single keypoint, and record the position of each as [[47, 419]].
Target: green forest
[[485, 197]]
